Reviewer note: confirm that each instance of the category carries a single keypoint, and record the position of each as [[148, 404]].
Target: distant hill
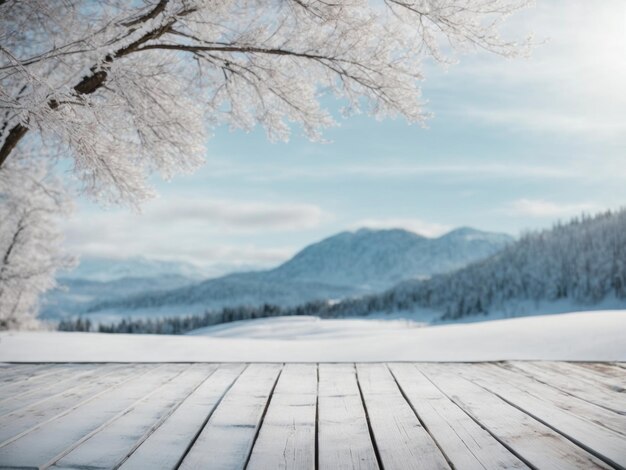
[[377, 259], [74, 296], [344, 265], [95, 279], [581, 263]]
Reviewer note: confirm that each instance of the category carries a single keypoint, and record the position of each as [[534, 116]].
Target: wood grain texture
[[574, 385], [507, 415], [287, 438], [48, 443], [18, 382], [532, 441], [14, 372], [167, 445], [464, 442], [27, 419], [52, 386], [227, 439], [615, 385], [607, 444], [111, 445], [556, 398], [401, 440], [611, 372], [344, 440]]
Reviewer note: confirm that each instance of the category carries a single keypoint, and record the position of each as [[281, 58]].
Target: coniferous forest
[[582, 261]]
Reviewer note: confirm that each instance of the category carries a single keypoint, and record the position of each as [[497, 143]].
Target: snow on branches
[[128, 88], [31, 200]]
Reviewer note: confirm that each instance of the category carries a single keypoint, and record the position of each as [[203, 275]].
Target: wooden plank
[[52, 387], [41, 382], [227, 439], [344, 440], [110, 446], [602, 442], [6, 367], [54, 439], [558, 399], [577, 388], [465, 443], [30, 377], [401, 440], [614, 384], [287, 438], [533, 442], [166, 446], [9, 371], [24, 420], [605, 369], [14, 372]]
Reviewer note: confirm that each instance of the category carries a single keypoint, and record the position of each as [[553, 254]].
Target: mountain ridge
[[343, 265], [377, 259], [580, 263]]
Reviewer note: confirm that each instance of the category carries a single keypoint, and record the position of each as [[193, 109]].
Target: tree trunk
[[91, 83], [15, 135]]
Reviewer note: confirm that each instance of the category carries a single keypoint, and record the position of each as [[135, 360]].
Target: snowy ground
[[574, 336], [307, 328]]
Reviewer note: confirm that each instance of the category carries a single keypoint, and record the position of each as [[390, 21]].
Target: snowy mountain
[[377, 259], [578, 265], [344, 265], [74, 296], [236, 289], [95, 279]]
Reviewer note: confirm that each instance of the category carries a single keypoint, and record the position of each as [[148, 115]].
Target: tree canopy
[[128, 88]]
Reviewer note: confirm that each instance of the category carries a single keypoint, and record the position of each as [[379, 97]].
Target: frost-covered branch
[[129, 88], [31, 200]]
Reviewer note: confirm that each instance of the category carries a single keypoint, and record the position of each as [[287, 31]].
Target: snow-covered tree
[[581, 262], [127, 88], [31, 200], [131, 87]]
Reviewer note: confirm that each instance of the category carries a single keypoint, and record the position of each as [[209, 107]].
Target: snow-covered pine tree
[[582, 261]]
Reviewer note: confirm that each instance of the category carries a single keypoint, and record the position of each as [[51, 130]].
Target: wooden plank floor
[[538, 415]]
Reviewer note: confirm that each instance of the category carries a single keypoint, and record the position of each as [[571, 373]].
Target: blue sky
[[512, 145]]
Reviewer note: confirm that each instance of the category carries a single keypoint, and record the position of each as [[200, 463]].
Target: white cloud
[[475, 170], [389, 168], [421, 227], [216, 259], [541, 208], [548, 121], [236, 215], [573, 83], [216, 234]]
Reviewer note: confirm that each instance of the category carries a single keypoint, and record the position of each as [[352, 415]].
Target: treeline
[[182, 324], [173, 325], [583, 261]]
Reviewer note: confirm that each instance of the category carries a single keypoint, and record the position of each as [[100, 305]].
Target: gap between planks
[[332, 385]]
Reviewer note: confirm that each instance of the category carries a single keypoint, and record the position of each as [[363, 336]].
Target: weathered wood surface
[[541, 415], [287, 437], [344, 438], [227, 439], [401, 440]]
